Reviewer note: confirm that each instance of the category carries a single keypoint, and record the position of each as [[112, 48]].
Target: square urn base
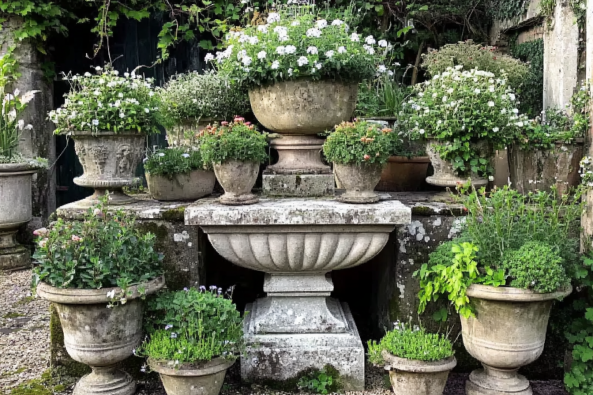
[[297, 185]]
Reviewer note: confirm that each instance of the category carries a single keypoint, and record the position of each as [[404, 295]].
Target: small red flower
[[366, 157]]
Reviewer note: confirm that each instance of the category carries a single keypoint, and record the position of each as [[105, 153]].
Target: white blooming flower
[[122, 115], [87, 74], [262, 28], [321, 23], [241, 54], [146, 110], [120, 95], [381, 68], [280, 50], [243, 38], [516, 111], [370, 50], [337, 22], [290, 49], [273, 17], [354, 37], [341, 49], [295, 23], [98, 68], [370, 40], [275, 65], [421, 131], [185, 155], [246, 60], [115, 72], [495, 129], [111, 294], [281, 30], [253, 40], [383, 43], [503, 111], [490, 178], [313, 32], [260, 55], [477, 91], [491, 88], [289, 71], [512, 97], [318, 65], [312, 50], [329, 54], [302, 61], [95, 122], [491, 104]]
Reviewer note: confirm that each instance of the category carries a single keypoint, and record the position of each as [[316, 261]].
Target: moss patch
[[292, 384], [13, 314], [174, 214], [24, 301], [51, 382], [59, 357]]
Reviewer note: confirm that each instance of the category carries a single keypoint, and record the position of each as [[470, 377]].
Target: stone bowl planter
[[15, 195], [192, 379], [109, 161], [99, 336], [359, 181], [188, 186], [403, 174], [508, 332], [444, 176], [237, 178], [412, 377]]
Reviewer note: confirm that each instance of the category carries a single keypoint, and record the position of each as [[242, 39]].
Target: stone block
[[298, 185]]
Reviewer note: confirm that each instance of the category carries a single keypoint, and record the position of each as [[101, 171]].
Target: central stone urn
[[297, 243], [298, 111]]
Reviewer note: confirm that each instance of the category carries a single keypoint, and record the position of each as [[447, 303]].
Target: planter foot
[[358, 198], [116, 198], [490, 381], [13, 256], [105, 380], [234, 200]]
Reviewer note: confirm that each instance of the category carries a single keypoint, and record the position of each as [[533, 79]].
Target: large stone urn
[[297, 243], [109, 161], [99, 336], [507, 332], [15, 211], [192, 379], [299, 110]]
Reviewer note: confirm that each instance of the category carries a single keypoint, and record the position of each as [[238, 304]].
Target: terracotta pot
[[359, 181], [188, 186], [403, 174], [109, 161], [508, 332], [540, 170], [412, 377], [444, 176], [192, 379], [16, 203], [99, 336], [237, 178]]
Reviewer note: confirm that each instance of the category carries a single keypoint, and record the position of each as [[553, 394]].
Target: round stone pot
[[192, 379], [508, 332], [187, 186], [237, 178], [359, 181], [16, 202], [99, 336], [109, 161], [418, 377], [403, 174], [444, 176]]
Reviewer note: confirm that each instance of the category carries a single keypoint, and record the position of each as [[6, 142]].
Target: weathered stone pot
[[444, 176], [412, 377], [99, 336], [237, 178], [109, 161], [508, 332], [403, 174], [187, 186], [192, 379], [15, 211], [531, 170], [359, 181]]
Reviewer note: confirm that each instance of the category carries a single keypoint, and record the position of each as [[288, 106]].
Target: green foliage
[[104, 250], [358, 142], [237, 140], [173, 160], [501, 10], [320, 382], [11, 126], [532, 86], [380, 97]]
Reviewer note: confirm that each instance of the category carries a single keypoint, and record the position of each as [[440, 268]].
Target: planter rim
[[13, 169], [104, 134], [93, 296], [416, 366], [147, 173], [405, 159], [510, 294], [328, 80], [191, 369]]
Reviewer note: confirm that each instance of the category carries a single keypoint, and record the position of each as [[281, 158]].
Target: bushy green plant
[[405, 341], [108, 102], [101, 251], [321, 382], [381, 97], [358, 142], [237, 140], [173, 160]]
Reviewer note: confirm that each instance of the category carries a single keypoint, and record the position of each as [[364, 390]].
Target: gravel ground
[[24, 350]]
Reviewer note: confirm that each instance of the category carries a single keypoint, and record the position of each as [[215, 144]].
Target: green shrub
[[358, 142], [173, 160]]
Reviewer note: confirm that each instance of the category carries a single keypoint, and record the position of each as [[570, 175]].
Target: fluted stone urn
[[297, 243]]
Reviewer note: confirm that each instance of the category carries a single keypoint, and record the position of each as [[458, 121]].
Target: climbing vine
[[507, 9], [532, 88]]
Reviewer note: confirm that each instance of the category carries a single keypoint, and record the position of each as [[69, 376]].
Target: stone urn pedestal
[[297, 243]]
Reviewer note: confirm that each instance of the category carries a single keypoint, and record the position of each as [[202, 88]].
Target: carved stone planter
[[444, 176], [359, 181], [403, 174], [99, 336], [237, 179], [188, 186], [192, 379], [508, 332], [109, 161], [418, 377], [16, 211]]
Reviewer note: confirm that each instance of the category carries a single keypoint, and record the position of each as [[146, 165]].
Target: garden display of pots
[[188, 186], [507, 332], [99, 336], [411, 377], [109, 161], [192, 379], [237, 178], [403, 174], [359, 181], [444, 175]]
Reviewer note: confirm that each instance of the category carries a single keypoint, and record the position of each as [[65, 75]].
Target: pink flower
[[76, 238], [41, 232], [239, 119], [98, 213], [367, 157], [247, 123], [43, 243], [224, 123]]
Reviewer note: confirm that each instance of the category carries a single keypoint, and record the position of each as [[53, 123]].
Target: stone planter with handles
[[188, 186], [508, 332], [109, 161], [192, 379], [359, 181], [237, 178], [412, 377], [99, 336]]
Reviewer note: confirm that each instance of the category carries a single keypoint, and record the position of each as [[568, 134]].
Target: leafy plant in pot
[[97, 272], [418, 362], [516, 255], [194, 336]]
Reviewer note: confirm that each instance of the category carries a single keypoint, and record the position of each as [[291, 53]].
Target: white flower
[[512, 97], [87, 74], [185, 155], [122, 115], [313, 32], [503, 111], [117, 103], [337, 22], [491, 88], [354, 37], [98, 68], [281, 30], [341, 49], [161, 154], [490, 178], [370, 50], [329, 54], [273, 17], [262, 28], [208, 57], [244, 38], [290, 49], [516, 111], [321, 23], [491, 104], [312, 50], [275, 65], [241, 54], [111, 294], [21, 124], [383, 43], [421, 131], [120, 95], [477, 91], [313, 70], [302, 61], [495, 129], [246, 61], [381, 69], [295, 23], [260, 55], [370, 40], [280, 50], [115, 72], [96, 93], [146, 110], [318, 65], [289, 71], [95, 122]]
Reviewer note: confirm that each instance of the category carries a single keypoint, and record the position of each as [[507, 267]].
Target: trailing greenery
[[532, 86], [405, 341], [359, 142], [173, 160], [324, 381]]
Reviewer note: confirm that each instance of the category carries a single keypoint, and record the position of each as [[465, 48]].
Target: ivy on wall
[[501, 10], [532, 89]]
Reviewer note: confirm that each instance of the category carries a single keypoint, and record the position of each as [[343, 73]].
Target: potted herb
[[194, 336], [96, 272], [418, 362], [235, 150], [463, 115], [178, 173], [108, 116], [358, 151]]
